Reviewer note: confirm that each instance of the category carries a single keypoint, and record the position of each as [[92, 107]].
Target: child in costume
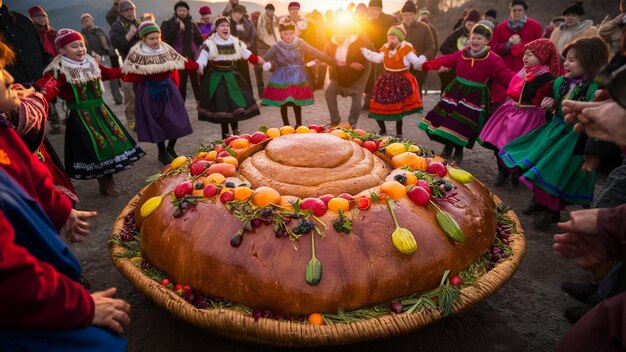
[[289, 84], [96, 143], [461, 113], [395, 93], [522, 113], [545, 156], [159, 108], [226, 98]]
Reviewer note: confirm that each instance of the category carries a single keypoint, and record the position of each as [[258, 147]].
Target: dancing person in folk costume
[[225, 97], [289, 85], [96, 143], [159, 107], [461, 113], [545, 156], [395, 93], [522, 113]]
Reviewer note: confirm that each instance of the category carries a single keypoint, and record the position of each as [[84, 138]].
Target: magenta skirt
[[510, 122]]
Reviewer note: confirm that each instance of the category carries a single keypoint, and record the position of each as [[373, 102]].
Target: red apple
[[326, 198], [229, 139], [258, 137], [227, 196], [210, 190], [222, 154], [316, 205], [346, 196], [183, 188], [370, 145], [426, 186], [198, 167], [437, 168], [419, 195], [246, 136]]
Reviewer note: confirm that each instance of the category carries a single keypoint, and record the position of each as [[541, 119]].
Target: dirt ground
[[524, 315]]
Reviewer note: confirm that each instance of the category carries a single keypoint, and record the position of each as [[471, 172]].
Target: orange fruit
[[303, 129], [316, 319], [409, 159], [216, 179], [239, 143], [393, 189], [201, 155], [358, 141], [265, 195], [286, 202], [287, 130], [210, 156], [272, 132], [360, 131], [338, 203], [243, 193], [229, 160], [411, 179], [394, 149], [339, 133]]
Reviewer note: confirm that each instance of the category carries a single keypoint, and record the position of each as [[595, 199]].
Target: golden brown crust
[[359, 270]]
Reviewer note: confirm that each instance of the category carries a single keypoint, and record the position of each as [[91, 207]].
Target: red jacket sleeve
[[34, 294], [109, 73], [191, 65], [442, 61], [499, 41], [253, 59], [501, 73], [543, 92], [50, 87]]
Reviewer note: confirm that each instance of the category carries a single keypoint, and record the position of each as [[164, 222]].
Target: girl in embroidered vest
[[96, 143], [159, 108], [522, 113], [225, 97], [289, 84], [461, 113], [545, 156], [395, 93]]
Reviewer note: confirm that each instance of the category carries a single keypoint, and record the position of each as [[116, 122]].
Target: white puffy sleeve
[[373, 56]]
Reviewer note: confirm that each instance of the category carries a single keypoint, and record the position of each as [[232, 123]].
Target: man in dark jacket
[[47, 36], [420, 36], [98, 42], [184, 36], [349, 76], [113, 13], [377, 27], [123, 36]]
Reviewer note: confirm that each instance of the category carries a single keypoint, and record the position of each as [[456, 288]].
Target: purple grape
[[256, 314], [396, 307]]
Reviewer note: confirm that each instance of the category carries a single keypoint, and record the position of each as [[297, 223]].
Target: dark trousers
[[195, 83]]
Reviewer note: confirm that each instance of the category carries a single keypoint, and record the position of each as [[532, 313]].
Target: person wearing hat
[[98, 42], [294, 13], [47, 35], [491, 15], [461, 113], [522, 113], [96, 143], [267, 36], [154, 67], [554, 23], [420, 37], [509, 39], [242, 28], [424, 16], [205, 24], [183, 34], [457, 40], [395, 94], [123, 35], [225, 97], [376, 30], [349, 76], [573, 28]]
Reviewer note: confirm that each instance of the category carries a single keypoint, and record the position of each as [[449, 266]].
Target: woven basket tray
[[238, 326]]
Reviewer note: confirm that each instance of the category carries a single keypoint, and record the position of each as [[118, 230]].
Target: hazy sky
[[389, 6]]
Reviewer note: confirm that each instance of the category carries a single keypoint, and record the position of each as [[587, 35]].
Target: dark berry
[[199, 185], [229, 184], [178, 212], [400, 178]]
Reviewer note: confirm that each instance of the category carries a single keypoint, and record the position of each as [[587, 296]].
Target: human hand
[[132, 29], [181, 25], [340, 63], [592, 162], [442, 69], [581, 239], [515, 39], [267, 66], [111, 313], [604, 120], [547, 104], [357, 66], [76, 227], [97, 57]]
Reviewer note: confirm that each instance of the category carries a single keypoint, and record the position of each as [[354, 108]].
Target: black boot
[[581, 292], [546, 218], [503, 175], [458, 154], [533, 208], [170, 148], [164, 157], [447, 151]]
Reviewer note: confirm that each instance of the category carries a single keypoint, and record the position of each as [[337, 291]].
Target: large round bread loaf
[[359, 270]]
